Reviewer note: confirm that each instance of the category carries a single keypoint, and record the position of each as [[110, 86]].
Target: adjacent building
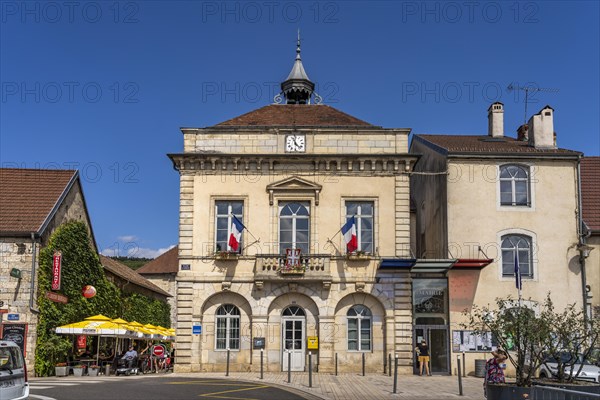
[[590, 248], [162, 272], [34, 203], [486, 202]]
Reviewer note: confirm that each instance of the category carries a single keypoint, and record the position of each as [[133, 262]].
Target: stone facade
[[23, 253], [250, 165]]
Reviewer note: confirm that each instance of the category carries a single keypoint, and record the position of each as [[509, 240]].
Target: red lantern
[[89, 291]]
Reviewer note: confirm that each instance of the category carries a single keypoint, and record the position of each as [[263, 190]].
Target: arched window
[[517, 246], [293, 311], [294, 226], [514, 185], [359, 328], [228, 327]]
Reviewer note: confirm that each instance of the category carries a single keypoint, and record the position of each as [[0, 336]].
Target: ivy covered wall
[[81, 266]]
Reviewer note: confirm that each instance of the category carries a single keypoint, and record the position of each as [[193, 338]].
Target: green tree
[[516, 328]]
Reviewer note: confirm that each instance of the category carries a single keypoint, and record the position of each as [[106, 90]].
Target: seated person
[[130, 356]]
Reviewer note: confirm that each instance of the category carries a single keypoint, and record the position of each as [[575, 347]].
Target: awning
[[472, 263], [397, 263], [432, 265]]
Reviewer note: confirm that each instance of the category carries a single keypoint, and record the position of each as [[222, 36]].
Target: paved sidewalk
[[354, 386]]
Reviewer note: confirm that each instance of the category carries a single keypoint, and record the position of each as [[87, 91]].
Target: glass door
[[436, 337]]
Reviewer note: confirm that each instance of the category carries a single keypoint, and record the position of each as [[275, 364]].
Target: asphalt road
[[149, 387]]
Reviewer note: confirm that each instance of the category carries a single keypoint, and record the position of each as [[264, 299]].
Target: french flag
[[518, 281], [236, 233], [349, 232]]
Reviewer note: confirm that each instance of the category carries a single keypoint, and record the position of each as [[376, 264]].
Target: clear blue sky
[[105, 86]]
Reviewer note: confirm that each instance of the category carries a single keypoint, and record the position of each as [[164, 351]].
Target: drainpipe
[[581, 247], [33, 259]]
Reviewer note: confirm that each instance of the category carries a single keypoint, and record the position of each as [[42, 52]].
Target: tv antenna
[[530, 89]]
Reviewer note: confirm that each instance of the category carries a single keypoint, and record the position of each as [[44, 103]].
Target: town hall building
[[292, 182]]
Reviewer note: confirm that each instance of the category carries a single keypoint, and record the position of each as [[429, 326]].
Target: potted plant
[[530, 337], [521, 333], [61, 369], [93, 370], [78, 370]]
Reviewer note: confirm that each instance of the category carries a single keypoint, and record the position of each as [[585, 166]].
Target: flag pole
[[518, 281]]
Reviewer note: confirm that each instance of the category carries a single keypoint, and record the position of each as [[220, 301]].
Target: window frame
[[359, 317], [359, 222], [530, 250], [230, 315], [513, 205], [229, 218], [281, 205]]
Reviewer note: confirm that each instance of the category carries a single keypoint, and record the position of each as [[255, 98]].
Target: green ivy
[[81, 266]]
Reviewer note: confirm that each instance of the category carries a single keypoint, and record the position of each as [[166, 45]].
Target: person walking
[[423, 352]]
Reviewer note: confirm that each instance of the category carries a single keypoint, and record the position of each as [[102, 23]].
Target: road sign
[[57, 297], [158, 350], [197, 329], [13, 317]]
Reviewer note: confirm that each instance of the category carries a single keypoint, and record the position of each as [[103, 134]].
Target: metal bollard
[[396, 374], [289, 367], [460, 388], [309, 369], [390, 364], [261, 363], [363, 364], [335, 364], [464, 366], [228, 355]]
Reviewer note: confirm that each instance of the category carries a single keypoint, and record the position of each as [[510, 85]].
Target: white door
[[294, 337]]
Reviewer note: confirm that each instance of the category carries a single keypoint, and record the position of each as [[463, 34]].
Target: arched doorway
[[293, 328]]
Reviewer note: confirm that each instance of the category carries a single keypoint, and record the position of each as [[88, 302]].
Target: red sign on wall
[[56, 265], [81, 341]]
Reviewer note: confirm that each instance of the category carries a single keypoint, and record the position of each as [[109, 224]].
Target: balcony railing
[[310, 267]]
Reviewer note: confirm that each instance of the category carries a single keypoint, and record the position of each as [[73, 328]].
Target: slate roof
[[166, 263], [130, 275], [484, 144], [28, 197], [590, 192], [295, 115]]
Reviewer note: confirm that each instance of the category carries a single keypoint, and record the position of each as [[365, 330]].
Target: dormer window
[[514, 185]]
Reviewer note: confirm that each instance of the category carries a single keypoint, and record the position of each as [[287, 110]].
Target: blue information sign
[[13, 317], [197, 329]]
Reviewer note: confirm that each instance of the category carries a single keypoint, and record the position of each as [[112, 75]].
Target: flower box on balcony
[[292, 271], [226, 255], [358, 255]]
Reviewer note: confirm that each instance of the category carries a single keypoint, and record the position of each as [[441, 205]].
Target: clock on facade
[[295, 143]]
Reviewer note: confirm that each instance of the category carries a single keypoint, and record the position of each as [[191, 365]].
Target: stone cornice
[[348, 163]]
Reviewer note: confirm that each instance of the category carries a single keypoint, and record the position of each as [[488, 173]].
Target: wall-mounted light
[[584, 250], [16, 273]]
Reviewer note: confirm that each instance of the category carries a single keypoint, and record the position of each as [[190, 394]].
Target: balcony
[[312, 267]]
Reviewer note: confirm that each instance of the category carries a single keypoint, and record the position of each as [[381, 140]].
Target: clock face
[[295, 143]]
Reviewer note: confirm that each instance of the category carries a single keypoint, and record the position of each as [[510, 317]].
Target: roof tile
[[166, 263], [27, 196], [132, 276], [482, 144], [295, 115], [590, 192]]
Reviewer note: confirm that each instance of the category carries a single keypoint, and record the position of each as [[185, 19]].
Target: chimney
[[496, 120], [541, 128], [523, 133]]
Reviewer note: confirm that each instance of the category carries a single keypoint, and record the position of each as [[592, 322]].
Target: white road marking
[[37, 396]]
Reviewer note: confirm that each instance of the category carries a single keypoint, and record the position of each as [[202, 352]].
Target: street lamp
[[584, 250]]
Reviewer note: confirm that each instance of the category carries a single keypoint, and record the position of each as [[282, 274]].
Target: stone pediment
[[294, 186]]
